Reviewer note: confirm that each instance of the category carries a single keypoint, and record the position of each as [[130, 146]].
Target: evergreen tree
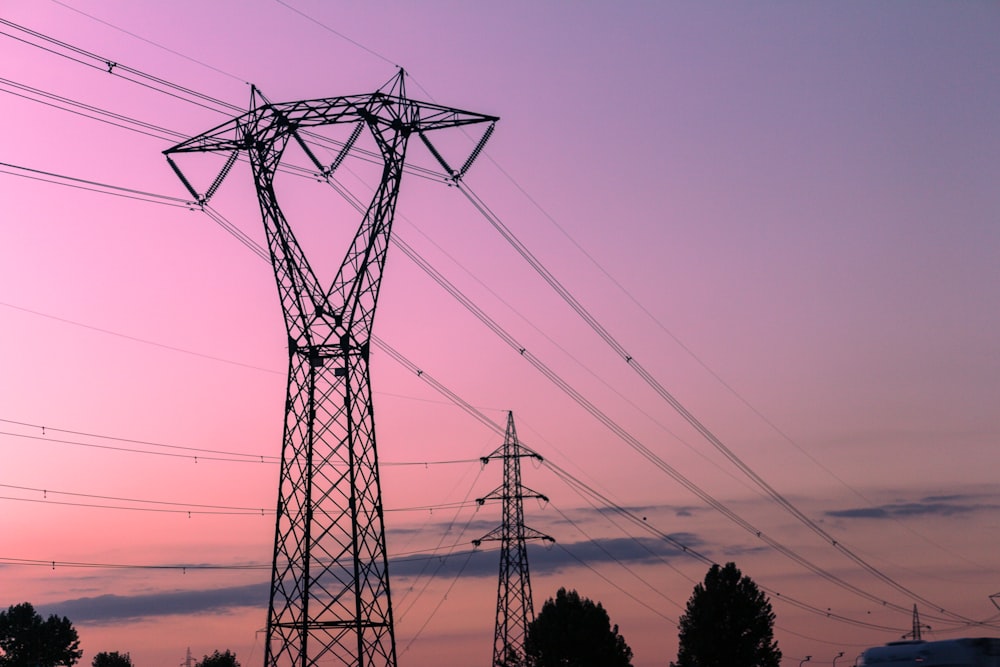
[[112, 659], [571, 631], [26, 640], [728, 623], [227, 659]]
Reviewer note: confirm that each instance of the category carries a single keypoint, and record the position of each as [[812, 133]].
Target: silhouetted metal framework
[[329, 599], [915, 633], [515, 609]]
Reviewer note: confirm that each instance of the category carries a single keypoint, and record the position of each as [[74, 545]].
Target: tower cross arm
[[532, 534], [273, 121], [281, 119], [495, 535], [529, 493]]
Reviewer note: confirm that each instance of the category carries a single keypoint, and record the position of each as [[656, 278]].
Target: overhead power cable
[[585, 490], [188, 452], [93, 186], [577, 527], [182, 93], [76, 54], [158, 506], [111, 66], [618, 430], [678, 407], [634, 442], [88, 110], [336, 32], [456, 178], [192, 456], [253, 458], [185, 507], [149, 41], [590, 567], [458, 543], [35, 562], [410, 556]]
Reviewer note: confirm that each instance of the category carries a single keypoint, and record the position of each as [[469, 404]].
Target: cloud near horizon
[[938, 505], [469, 563]]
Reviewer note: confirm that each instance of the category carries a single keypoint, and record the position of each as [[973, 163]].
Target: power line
[[160, 510], [411, 556], [600, 415], [126, 566], [184, 507], [621, 432], [336, 32], [252, 458], [88, 111], [631, 440], [193, 457], [582, 488], [613, 584], [690, 418], [93, 186], [616, 560], [190, 452], [149, 41], [522, 351], [94, 61]]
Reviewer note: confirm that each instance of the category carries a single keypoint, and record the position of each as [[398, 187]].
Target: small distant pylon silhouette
[[514, 606], [914, 634]]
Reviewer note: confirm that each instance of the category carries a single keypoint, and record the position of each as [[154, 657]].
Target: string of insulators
[[222, 175], [308, 152], [437, 156], [346, 149], [475, 153], [184, 180]]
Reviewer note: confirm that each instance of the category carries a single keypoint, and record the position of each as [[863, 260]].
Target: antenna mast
[[329, 599]]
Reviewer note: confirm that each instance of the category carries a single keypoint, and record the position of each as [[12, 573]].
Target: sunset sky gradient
[[786, 212]]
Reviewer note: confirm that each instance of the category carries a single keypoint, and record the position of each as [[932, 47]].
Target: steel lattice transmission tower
[[514, 606], [915, 633], [329, 598]]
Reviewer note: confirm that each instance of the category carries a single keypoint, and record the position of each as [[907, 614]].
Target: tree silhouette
[[227, 659], [571, 631], [27, 640], [728, 622], [112, 659]]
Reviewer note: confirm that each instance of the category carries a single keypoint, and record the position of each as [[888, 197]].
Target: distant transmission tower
[[917, 626], [329, 600], [514, 606]]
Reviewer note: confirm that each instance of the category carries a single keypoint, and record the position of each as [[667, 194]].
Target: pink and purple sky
[[786, 212]]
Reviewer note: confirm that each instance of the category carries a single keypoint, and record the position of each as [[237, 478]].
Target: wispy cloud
[[468, 563], [938, 505], [107, 608]]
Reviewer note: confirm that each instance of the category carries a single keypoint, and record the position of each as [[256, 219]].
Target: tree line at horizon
[[728, 621]]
